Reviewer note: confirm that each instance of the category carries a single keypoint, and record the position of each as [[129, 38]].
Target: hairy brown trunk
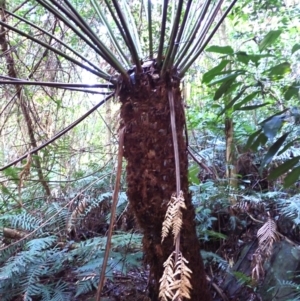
[[148, 148]]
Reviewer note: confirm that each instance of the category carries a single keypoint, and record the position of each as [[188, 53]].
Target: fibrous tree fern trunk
[[148, 148]]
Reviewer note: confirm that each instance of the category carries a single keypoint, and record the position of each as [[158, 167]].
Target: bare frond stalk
[[167, 62], [150, 29], [131, 46], [58, 40], [105, 53], [113, 214], [129, 19], [182, 27], [19, 81], [59, 134], [208, 20], [111, 34], [190, 35], [24, 107], [76, 62], [163, 32], [200, 50]]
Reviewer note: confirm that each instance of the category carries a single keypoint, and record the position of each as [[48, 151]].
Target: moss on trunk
[[148, 149]]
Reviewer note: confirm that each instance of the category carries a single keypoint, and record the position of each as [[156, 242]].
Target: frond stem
[[200, 50], [59, 134], [170, 48], [163, 31]]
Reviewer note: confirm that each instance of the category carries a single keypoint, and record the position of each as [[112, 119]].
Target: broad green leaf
[[295, 112], [252, 137], [209, 75], [273, 125], [242, 57], [287, 146], [220, 49], [249, 108], [273, 150], [283, 168], [231, 103], [292, 177], [279, 70], [227, 77], [224, 88], [295, 48], [193, 174], [234, 87], [215, 235], [245, 100], [270, 117], [260, 140], [255, 58], [269, 39], [291, 91]]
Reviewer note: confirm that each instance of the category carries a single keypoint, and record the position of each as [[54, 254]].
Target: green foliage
[[269, 39], [34, 267], [290, 207], [203, 199], [220, 49], [273, 150], [212, 258]]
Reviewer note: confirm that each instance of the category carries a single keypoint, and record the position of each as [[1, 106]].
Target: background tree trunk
[[148, 148]]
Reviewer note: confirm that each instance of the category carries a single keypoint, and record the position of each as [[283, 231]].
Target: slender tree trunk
[[148, 148], [231, 172]]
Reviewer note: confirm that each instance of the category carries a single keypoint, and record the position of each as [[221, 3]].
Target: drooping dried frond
[[76, 213], [266, 235], [167, 223], [177, 221], [167, 279], [173, 218], [175, 282], [182, 285]]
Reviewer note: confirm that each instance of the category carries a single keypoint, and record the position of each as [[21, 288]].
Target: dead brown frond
[[167, 279], [266, 235], [182, 285], [173, 218], [75, 214], [168, 221], [175, 282]]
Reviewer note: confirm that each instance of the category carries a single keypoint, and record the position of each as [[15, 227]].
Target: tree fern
[[290, 208]]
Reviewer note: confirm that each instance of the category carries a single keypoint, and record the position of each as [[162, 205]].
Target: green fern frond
[[59, 217], [122, 204], [60, 292], [10, 251], [210, 257], [24, 221], [132, 241], [291, 208], [86, 285], [40, 244]]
